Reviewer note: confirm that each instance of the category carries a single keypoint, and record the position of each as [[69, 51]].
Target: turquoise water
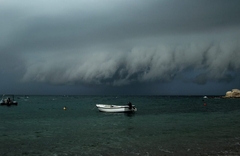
[[162, 126]]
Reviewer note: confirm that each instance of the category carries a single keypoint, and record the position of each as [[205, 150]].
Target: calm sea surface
[[162, 126]]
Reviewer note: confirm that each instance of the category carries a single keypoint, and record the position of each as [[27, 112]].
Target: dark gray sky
[[119, 46]]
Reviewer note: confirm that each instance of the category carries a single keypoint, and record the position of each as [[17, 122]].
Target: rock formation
[[235, 93]]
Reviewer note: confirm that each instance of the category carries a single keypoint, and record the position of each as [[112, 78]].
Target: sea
[[162, 126]]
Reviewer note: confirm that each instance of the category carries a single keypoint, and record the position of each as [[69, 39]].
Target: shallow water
[[161, 126]]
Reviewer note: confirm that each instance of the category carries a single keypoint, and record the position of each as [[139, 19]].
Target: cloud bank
[[120, 42], [212, 61]]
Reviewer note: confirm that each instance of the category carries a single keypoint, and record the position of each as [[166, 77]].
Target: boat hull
[[8, 104], [115, 108]]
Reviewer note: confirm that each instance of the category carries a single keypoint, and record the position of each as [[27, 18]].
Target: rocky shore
[[235, 93]]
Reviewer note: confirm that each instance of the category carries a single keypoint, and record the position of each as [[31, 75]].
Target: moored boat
[[8, 101], [116, 108]]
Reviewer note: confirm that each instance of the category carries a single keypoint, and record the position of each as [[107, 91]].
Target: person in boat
[[129, 105], [8, 100]]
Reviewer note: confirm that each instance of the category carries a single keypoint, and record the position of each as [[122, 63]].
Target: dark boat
[[8, 101]]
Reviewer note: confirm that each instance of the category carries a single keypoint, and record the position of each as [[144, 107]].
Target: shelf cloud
[[120, 42]]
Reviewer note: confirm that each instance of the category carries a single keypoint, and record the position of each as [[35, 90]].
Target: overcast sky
[[119, 46]]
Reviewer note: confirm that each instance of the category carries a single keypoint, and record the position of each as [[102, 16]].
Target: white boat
[[116, 108], [205, 97]]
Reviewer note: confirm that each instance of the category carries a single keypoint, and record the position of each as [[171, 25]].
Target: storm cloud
[[120, 42]]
